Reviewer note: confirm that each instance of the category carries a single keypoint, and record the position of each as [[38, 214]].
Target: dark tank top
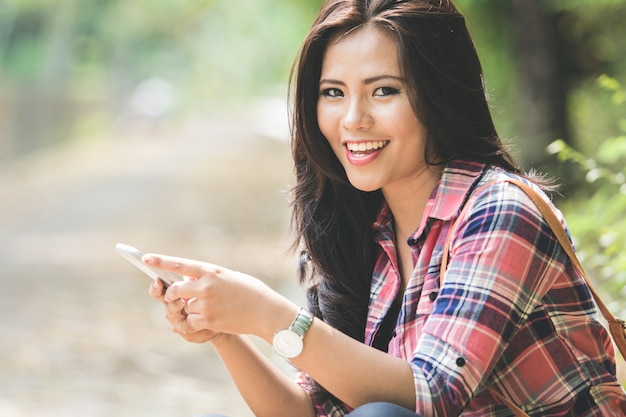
[[387, 328]]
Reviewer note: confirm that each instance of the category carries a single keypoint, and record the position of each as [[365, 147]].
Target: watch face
[[287, 344]]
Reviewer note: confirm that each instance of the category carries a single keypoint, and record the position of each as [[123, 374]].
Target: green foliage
[[208, 47], [597, 213], [69, 68], [582, 5], [485, 20]]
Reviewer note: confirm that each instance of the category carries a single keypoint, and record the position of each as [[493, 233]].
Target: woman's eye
[[332, 92], [385, 91]]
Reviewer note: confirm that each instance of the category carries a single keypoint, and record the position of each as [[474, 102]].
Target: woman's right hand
[[177, 316]]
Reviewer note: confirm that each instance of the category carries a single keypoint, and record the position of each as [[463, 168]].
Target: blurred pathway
[[79, 335]]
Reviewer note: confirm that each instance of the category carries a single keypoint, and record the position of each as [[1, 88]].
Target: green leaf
[[612, 150], [608, 83]]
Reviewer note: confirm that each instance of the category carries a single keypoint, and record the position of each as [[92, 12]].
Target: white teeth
[[365, 146]]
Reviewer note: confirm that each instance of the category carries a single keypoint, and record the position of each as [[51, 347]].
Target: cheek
[[328, 125], [323, 121], [328, 129]]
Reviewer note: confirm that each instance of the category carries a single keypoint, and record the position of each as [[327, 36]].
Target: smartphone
[[133, 256]]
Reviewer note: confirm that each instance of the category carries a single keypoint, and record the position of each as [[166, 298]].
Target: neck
[[407, 201]]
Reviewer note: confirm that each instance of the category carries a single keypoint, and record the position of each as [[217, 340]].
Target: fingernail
[[147, 259]]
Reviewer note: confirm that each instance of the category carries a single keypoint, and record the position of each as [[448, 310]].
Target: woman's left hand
[[224, 301]]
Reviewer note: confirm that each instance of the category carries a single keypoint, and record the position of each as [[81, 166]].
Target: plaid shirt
[[512, 311]]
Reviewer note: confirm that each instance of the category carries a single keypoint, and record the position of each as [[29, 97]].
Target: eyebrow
[[365, 81]]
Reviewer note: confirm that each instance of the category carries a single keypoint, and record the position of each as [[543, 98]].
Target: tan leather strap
[[558, 230], [517, 412], [446, 248]]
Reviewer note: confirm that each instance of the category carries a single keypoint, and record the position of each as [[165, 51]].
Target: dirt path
[[80, 336]]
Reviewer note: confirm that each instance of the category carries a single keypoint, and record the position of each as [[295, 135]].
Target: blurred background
[[163, 125]]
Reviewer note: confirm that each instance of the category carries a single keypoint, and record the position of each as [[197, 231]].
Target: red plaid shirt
[[512, 311]]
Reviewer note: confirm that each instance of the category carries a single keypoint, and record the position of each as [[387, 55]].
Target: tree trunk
[[542, 90]]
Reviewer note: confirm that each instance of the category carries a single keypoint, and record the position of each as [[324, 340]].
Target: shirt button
[[460, 362], [432, 296], [411, 241]]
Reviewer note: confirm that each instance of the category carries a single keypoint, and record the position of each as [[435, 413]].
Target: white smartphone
[[133, 256]]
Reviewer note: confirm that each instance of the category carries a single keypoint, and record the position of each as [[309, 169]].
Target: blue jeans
[[382, 410], [367, 410]]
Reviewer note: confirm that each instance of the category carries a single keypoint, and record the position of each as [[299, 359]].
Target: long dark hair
[[332, 219]]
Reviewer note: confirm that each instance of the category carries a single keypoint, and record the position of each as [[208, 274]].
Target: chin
[[366, 188], [365, 181]]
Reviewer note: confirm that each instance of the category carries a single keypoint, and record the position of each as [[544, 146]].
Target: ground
[[80, 335]]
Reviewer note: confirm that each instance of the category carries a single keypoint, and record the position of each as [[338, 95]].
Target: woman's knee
[[382, 410]]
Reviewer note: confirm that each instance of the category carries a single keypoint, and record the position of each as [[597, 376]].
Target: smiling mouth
[[365, 148]]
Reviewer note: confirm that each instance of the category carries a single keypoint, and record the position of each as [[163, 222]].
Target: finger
[[201, 336], [157, 290], [186, 330], [196, 322], [189, 306], [184, 289], [175, 310], [184, 327], [182, 266]]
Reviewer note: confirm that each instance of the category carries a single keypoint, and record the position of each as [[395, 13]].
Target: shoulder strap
[[517, 412], [616, 326]]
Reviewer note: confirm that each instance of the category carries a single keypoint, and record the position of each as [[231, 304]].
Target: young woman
[[392, 138]]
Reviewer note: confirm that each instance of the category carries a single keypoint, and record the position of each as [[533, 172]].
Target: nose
[[357, 115]]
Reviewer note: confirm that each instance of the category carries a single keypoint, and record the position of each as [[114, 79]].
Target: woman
[[391, 136]]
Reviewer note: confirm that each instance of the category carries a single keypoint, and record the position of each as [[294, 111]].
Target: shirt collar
[[457, 180]]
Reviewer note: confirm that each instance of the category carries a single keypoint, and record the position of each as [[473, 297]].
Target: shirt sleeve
[[503, 260], [331, 407]]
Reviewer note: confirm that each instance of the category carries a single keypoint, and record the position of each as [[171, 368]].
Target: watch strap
[[300, 325]]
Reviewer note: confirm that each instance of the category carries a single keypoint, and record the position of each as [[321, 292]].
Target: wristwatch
[[289, 343]]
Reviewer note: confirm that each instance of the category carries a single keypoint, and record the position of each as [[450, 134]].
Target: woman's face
[[365, 114]]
